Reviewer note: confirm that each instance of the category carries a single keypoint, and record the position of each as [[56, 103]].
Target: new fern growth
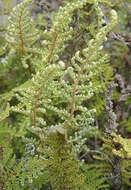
[[21, 32]]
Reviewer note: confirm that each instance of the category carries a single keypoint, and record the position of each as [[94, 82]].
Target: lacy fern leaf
[[21, 32]]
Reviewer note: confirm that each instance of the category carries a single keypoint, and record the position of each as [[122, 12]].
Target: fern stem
[[72, 104], [21, 37], [53, 45]]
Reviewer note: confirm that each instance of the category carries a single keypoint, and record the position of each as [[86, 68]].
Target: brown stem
[[53, 45], [72, 104], [36, 104], [20, 33]]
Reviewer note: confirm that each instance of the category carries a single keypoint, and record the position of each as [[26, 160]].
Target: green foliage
[[21, 32], [62, 76], [113, 163], [126, 124], [125, 151], [9, 171], [62, 162], [15, 172], [94, 180], [5, 113]]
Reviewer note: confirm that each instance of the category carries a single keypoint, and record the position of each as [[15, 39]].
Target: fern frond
[[61, 31], [62, 162], [15, 173], [94, 179], [125, 151], [21, 32], [4, 113]]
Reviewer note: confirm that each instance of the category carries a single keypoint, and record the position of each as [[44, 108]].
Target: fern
[[112, 165], [20, 174], [62, 162], [125, 151], [94, 180], [5, 113], [43, 85], [21, 33], [54, 102]]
